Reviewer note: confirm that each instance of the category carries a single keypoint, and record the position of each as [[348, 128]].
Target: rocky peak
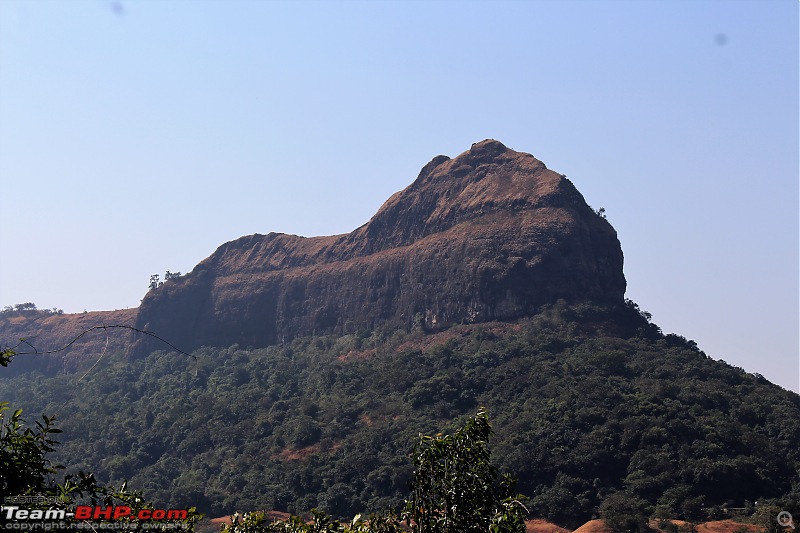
[[489, 234], [488, 178]]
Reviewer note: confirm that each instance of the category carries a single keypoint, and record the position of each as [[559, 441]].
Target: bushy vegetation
[[155, 279], [455, 488], [27, 309], [26, 470], [588, 403]]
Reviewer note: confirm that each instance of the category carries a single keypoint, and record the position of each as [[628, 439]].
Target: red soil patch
[[594, 526], [726, 526], [296, 454], [271, 516], [543, 526]]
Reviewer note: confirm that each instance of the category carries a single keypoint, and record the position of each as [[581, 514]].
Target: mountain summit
[[490, 234]]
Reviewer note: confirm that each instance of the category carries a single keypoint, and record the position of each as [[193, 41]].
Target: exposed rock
[[491, 234]]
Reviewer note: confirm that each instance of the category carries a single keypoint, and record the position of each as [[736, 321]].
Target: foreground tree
[[454, 489], [25, 471], [625, 512]]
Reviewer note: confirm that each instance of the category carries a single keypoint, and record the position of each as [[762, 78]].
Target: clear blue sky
[[138, 135]]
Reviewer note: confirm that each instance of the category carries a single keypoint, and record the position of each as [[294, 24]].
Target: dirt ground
[[543, 526]]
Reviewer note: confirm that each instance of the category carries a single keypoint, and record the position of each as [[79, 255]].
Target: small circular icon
[[785, 519]]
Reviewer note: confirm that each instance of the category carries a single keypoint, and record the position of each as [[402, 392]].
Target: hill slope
[[586, 401], [487, 282], [43, 331]]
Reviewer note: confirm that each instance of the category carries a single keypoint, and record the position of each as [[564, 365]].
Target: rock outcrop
[[491, 234]]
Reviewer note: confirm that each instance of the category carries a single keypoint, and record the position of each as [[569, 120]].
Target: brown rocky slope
[[44, 332], [491, 234]]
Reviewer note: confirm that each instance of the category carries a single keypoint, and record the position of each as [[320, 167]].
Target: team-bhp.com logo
[[17, 517], [87, 512]]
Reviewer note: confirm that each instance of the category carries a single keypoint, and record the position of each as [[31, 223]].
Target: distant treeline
[[29, 308]]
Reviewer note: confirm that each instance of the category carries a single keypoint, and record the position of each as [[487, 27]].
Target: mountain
[[590, 404], [491, 234], [317, 361]]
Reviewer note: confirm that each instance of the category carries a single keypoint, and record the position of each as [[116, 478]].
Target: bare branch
[[105, 327]]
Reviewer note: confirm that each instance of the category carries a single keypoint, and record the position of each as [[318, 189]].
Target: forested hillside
[[586, 402]]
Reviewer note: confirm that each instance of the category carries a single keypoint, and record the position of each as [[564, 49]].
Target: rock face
[[491, 234]]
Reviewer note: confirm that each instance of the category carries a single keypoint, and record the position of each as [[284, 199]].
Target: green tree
[[625, 512], [5, 356], [455, 486], [171, 275], [26, 470], [455, 489], [23, 465], [322, 523]]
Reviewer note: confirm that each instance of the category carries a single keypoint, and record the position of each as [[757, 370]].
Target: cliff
[[490, 234]]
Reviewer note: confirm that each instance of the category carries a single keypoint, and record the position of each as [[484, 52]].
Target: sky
[[136, 136]]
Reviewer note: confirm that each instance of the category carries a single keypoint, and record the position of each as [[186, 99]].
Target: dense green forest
[[587, 403]]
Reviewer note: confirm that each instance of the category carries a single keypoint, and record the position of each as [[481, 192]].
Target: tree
[[155, 279], [25, 470], [5, 356], [23, 465], [625, 512], [455, 487]]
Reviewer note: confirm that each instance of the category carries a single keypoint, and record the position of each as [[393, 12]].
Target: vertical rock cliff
[[490, 234]]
